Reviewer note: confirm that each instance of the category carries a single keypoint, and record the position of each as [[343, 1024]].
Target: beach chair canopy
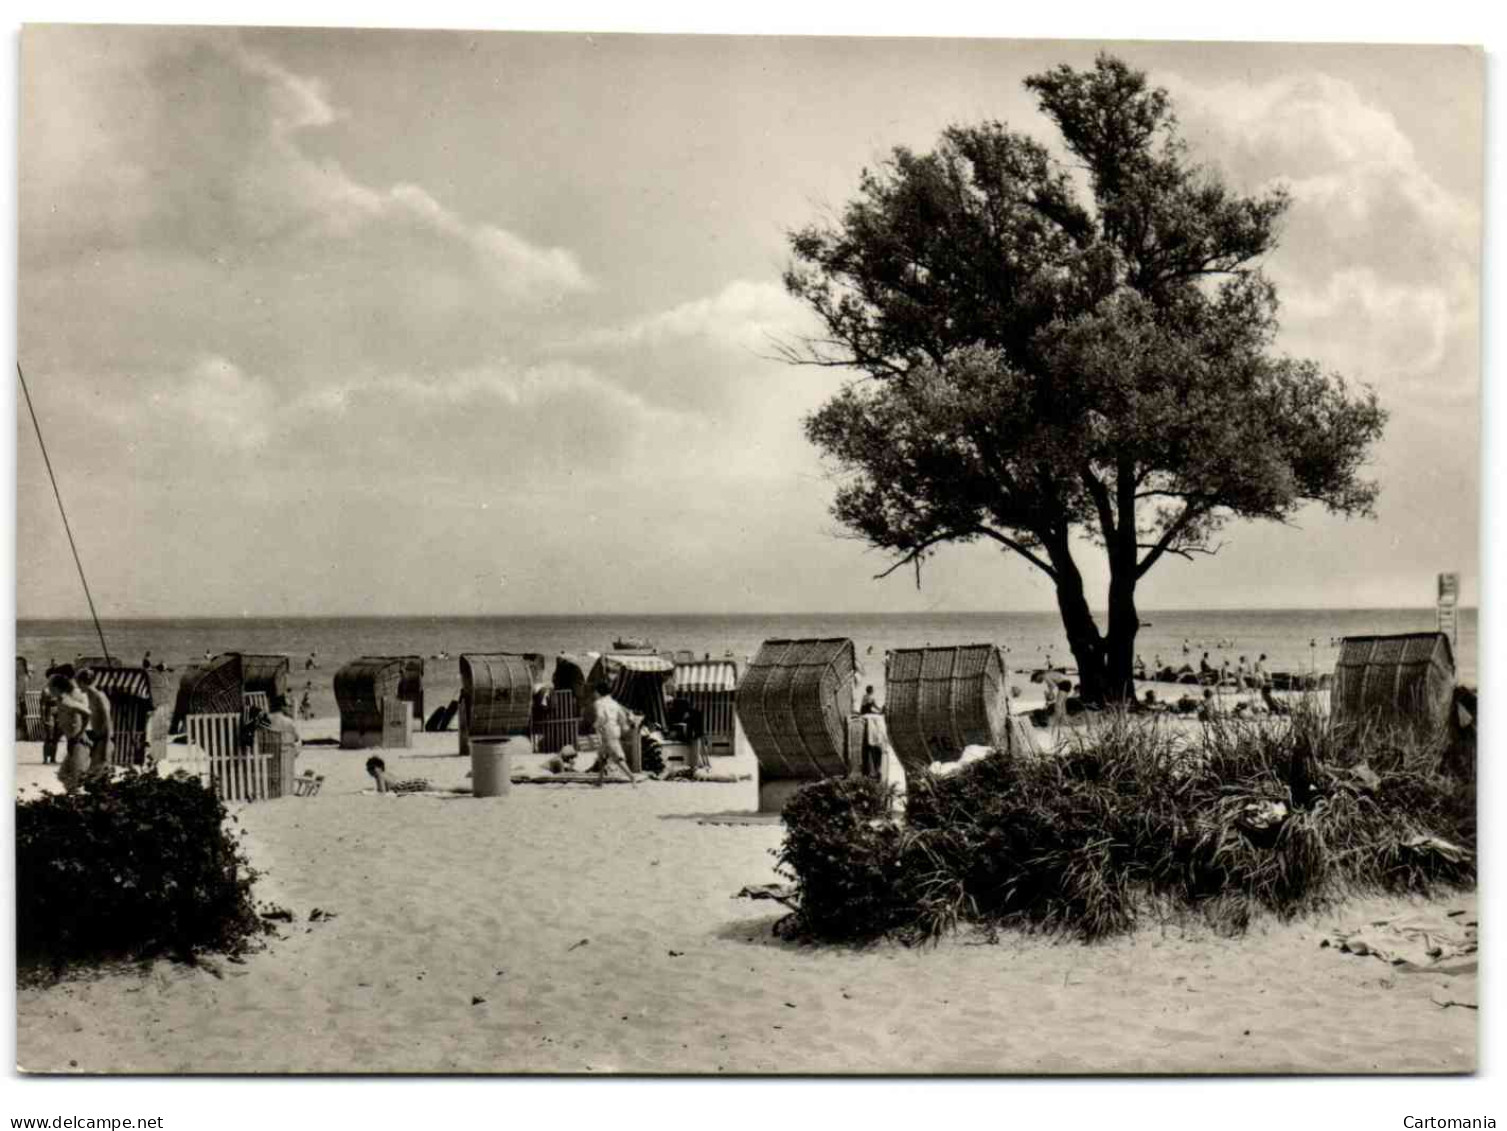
[[647, 663], [572, 668], [794, 702], [210, 688], [1407, 678], [138, 715], [124, 683], [267, 673], [712, 686], [498, 690], [362, 685], [639, 681], [941, 700], [706, 676]]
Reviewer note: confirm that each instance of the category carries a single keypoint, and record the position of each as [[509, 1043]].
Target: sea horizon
[[157, 618]]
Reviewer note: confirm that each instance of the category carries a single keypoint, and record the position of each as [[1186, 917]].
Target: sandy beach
[[566, 929]]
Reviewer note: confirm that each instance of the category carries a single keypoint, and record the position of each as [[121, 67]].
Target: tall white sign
[[1447, 608]]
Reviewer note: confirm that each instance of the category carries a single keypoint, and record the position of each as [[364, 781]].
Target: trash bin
[[492, 765]]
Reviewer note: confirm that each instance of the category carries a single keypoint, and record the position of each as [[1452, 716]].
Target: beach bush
[[842, 849], [137, 866], [1248, 817]]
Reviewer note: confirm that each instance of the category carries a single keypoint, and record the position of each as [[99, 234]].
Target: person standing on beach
[[72, 728], [280, 722], [611, 722], [101, 728], [49, 712]]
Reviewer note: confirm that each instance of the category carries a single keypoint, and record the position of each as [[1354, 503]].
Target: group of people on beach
[[76, 721], [1210, 707], [78, 727], [1242, 676]]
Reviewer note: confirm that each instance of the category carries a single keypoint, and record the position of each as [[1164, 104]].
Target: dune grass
[[1136, 819]]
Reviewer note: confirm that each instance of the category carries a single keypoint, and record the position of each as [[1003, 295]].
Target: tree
[[1038, 370]]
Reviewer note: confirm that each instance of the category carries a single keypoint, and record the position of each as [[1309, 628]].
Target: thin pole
[[67, 529]]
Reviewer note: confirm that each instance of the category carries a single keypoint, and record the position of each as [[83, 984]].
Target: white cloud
[[1388, 327], [297, 102], [212, 154], [518, 267], [217, 403], [1353, 171], [1378, 265], [518, 387], [743, 315]]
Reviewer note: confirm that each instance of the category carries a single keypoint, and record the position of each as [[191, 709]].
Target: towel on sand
[[1420, 941]]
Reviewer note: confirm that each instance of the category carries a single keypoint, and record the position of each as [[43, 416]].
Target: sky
[[324, 322]]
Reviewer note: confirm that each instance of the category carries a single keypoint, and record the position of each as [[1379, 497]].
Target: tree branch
[[807, 354], [1159, 547], [915, 555], [1182, 551], [989, 532], [1100, 494]]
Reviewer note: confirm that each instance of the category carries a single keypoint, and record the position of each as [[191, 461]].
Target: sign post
[[1447, 607]]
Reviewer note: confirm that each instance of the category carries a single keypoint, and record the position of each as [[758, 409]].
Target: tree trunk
[[1119, 645], [1082, 633]]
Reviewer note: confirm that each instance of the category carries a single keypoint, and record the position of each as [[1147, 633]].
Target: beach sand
[[566, 929]]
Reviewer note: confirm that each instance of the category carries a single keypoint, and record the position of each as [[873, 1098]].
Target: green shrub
[[128, 868], [843, 852], [1251, 817]]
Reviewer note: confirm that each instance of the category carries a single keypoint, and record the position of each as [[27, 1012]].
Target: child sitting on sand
[[386, 784]]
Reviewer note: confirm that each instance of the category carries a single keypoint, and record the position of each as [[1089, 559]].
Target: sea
[[1292, 639]]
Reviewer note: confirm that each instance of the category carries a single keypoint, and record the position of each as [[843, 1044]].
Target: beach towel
[[1417, 942], [408, 785]]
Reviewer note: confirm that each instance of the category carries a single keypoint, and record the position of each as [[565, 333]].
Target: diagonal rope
[[68, 529]]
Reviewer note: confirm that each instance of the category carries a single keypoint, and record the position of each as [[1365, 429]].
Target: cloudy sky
[[396, 322]]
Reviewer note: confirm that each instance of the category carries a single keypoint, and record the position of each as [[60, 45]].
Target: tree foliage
[[1046, 363]]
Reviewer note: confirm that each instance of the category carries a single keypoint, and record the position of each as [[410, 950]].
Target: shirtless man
[[611, 721], [101, 727]]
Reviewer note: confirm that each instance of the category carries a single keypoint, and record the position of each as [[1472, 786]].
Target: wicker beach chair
[[793, 704], [943, 700]]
